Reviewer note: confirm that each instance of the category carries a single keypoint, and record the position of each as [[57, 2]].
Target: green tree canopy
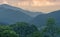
[[23, 29], [5, 31], [51, 29], [35, 34]]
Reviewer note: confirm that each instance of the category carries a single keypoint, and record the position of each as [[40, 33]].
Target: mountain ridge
[[10, 16], [12, 13], [41, 20], [30, 13]]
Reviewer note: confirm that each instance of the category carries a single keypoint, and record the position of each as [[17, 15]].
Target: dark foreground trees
[[51, 29], [5, 31], [22, 29], [19, 29]]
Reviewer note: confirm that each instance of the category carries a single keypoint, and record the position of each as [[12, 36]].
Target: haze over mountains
[[41, 20], [10, 15], [32, 14]]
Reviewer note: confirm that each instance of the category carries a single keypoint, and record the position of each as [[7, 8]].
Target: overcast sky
[[35, 5]]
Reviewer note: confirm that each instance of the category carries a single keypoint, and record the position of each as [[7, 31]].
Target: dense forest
[[22, 29]]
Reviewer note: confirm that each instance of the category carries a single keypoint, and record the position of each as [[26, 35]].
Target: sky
[[34, 5]]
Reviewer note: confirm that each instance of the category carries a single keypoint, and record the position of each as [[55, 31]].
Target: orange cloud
[[43, 5], [31, 2]]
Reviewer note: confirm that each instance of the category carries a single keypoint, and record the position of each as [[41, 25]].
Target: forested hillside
[[22, 29]]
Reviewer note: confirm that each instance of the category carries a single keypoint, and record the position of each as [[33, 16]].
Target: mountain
[[30, 13], [41, 20], [10, 14], [33, 14]]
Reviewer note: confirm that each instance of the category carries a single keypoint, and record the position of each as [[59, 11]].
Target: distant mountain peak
[[5, 5], [57, 10], [10, 7], [30, 13]]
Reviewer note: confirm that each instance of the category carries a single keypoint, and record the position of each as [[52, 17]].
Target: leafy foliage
[[35, 34], [6, 31], [51, 29], [23, 29]]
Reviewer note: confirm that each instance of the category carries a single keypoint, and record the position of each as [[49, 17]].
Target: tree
[[6, 31], [35, 34], [23, 29], [50, 29], [9, 33]]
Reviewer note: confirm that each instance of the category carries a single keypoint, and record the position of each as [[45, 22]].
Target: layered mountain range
[[10, 14], [41, 20]]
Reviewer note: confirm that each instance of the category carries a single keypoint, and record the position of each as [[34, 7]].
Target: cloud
[[43, 5], [0, 1], [31, 2]]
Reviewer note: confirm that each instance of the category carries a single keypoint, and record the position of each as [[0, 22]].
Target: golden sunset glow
[[35, 3], [5, 2], [30, 3], [43, 5]]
